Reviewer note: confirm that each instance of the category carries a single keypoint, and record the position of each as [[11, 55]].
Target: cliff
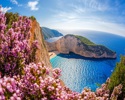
[[36, 34], [80, 45], [49, 33], [42, 52]]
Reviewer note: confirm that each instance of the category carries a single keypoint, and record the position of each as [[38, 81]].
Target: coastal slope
[[81, 46], [49, 33]]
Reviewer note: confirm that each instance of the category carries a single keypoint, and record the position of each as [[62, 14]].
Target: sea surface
[[79, 72]]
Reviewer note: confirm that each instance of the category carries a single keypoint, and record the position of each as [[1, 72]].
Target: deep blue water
[[79, 72]]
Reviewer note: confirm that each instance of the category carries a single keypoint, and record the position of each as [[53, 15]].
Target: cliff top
[[82, 39], [85, 45]]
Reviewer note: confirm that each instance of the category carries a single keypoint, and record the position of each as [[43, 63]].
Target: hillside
[[49, 33], [80, 45]]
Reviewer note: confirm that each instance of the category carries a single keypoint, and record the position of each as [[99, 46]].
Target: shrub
[[14, 45], [10, 18], [32, 18], [118, 77]]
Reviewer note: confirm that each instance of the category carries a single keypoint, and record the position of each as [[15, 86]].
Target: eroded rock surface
[[70, 43]]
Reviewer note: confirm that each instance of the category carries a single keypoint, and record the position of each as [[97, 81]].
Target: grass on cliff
[[85, 40]]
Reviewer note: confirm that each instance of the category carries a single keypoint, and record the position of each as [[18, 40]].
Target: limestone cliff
[[80, 45], [42, 52], [50, 33]]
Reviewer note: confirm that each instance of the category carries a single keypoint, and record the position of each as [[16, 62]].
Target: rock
[[80, 45], [42, 52]]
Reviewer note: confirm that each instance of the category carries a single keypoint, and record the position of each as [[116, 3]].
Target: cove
[[79, 72]]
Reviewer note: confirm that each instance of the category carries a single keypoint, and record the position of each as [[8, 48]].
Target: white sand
[[53, 54]]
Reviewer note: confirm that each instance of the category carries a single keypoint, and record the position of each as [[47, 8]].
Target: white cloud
[[14, 2], [5, 9], [87, 14], [95, 4], [66, 15], [86, 23], [33, 5]]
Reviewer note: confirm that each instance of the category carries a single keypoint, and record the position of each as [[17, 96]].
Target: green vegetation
[[13, 17], [50, 33], [10, 18], [118, 77], [84, 40], [32, 18]]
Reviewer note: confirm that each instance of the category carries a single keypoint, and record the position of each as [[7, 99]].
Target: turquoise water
[[79, 72]]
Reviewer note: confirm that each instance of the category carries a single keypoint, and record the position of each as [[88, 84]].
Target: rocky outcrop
[[42, 52], [70, 43], [50, 33]]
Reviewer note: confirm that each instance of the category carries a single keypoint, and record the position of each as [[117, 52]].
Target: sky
[[99, 15]]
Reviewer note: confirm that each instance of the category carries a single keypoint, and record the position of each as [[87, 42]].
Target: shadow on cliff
[[72, 55]]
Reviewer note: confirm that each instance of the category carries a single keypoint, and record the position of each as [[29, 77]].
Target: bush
[[15, 51], [118, 77], [32, 18], [10, 18]]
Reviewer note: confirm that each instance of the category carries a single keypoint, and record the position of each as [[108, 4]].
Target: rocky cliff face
[[71, 43], [42, 52]]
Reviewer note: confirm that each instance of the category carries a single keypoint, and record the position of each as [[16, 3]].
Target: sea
[[79, 72]]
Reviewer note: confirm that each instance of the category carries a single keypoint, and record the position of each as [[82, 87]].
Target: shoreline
[[53, 54]]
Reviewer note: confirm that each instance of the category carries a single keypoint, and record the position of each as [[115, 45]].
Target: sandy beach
[[53, 54]]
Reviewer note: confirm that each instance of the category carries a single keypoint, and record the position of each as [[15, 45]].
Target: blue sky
[[100, 15]]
